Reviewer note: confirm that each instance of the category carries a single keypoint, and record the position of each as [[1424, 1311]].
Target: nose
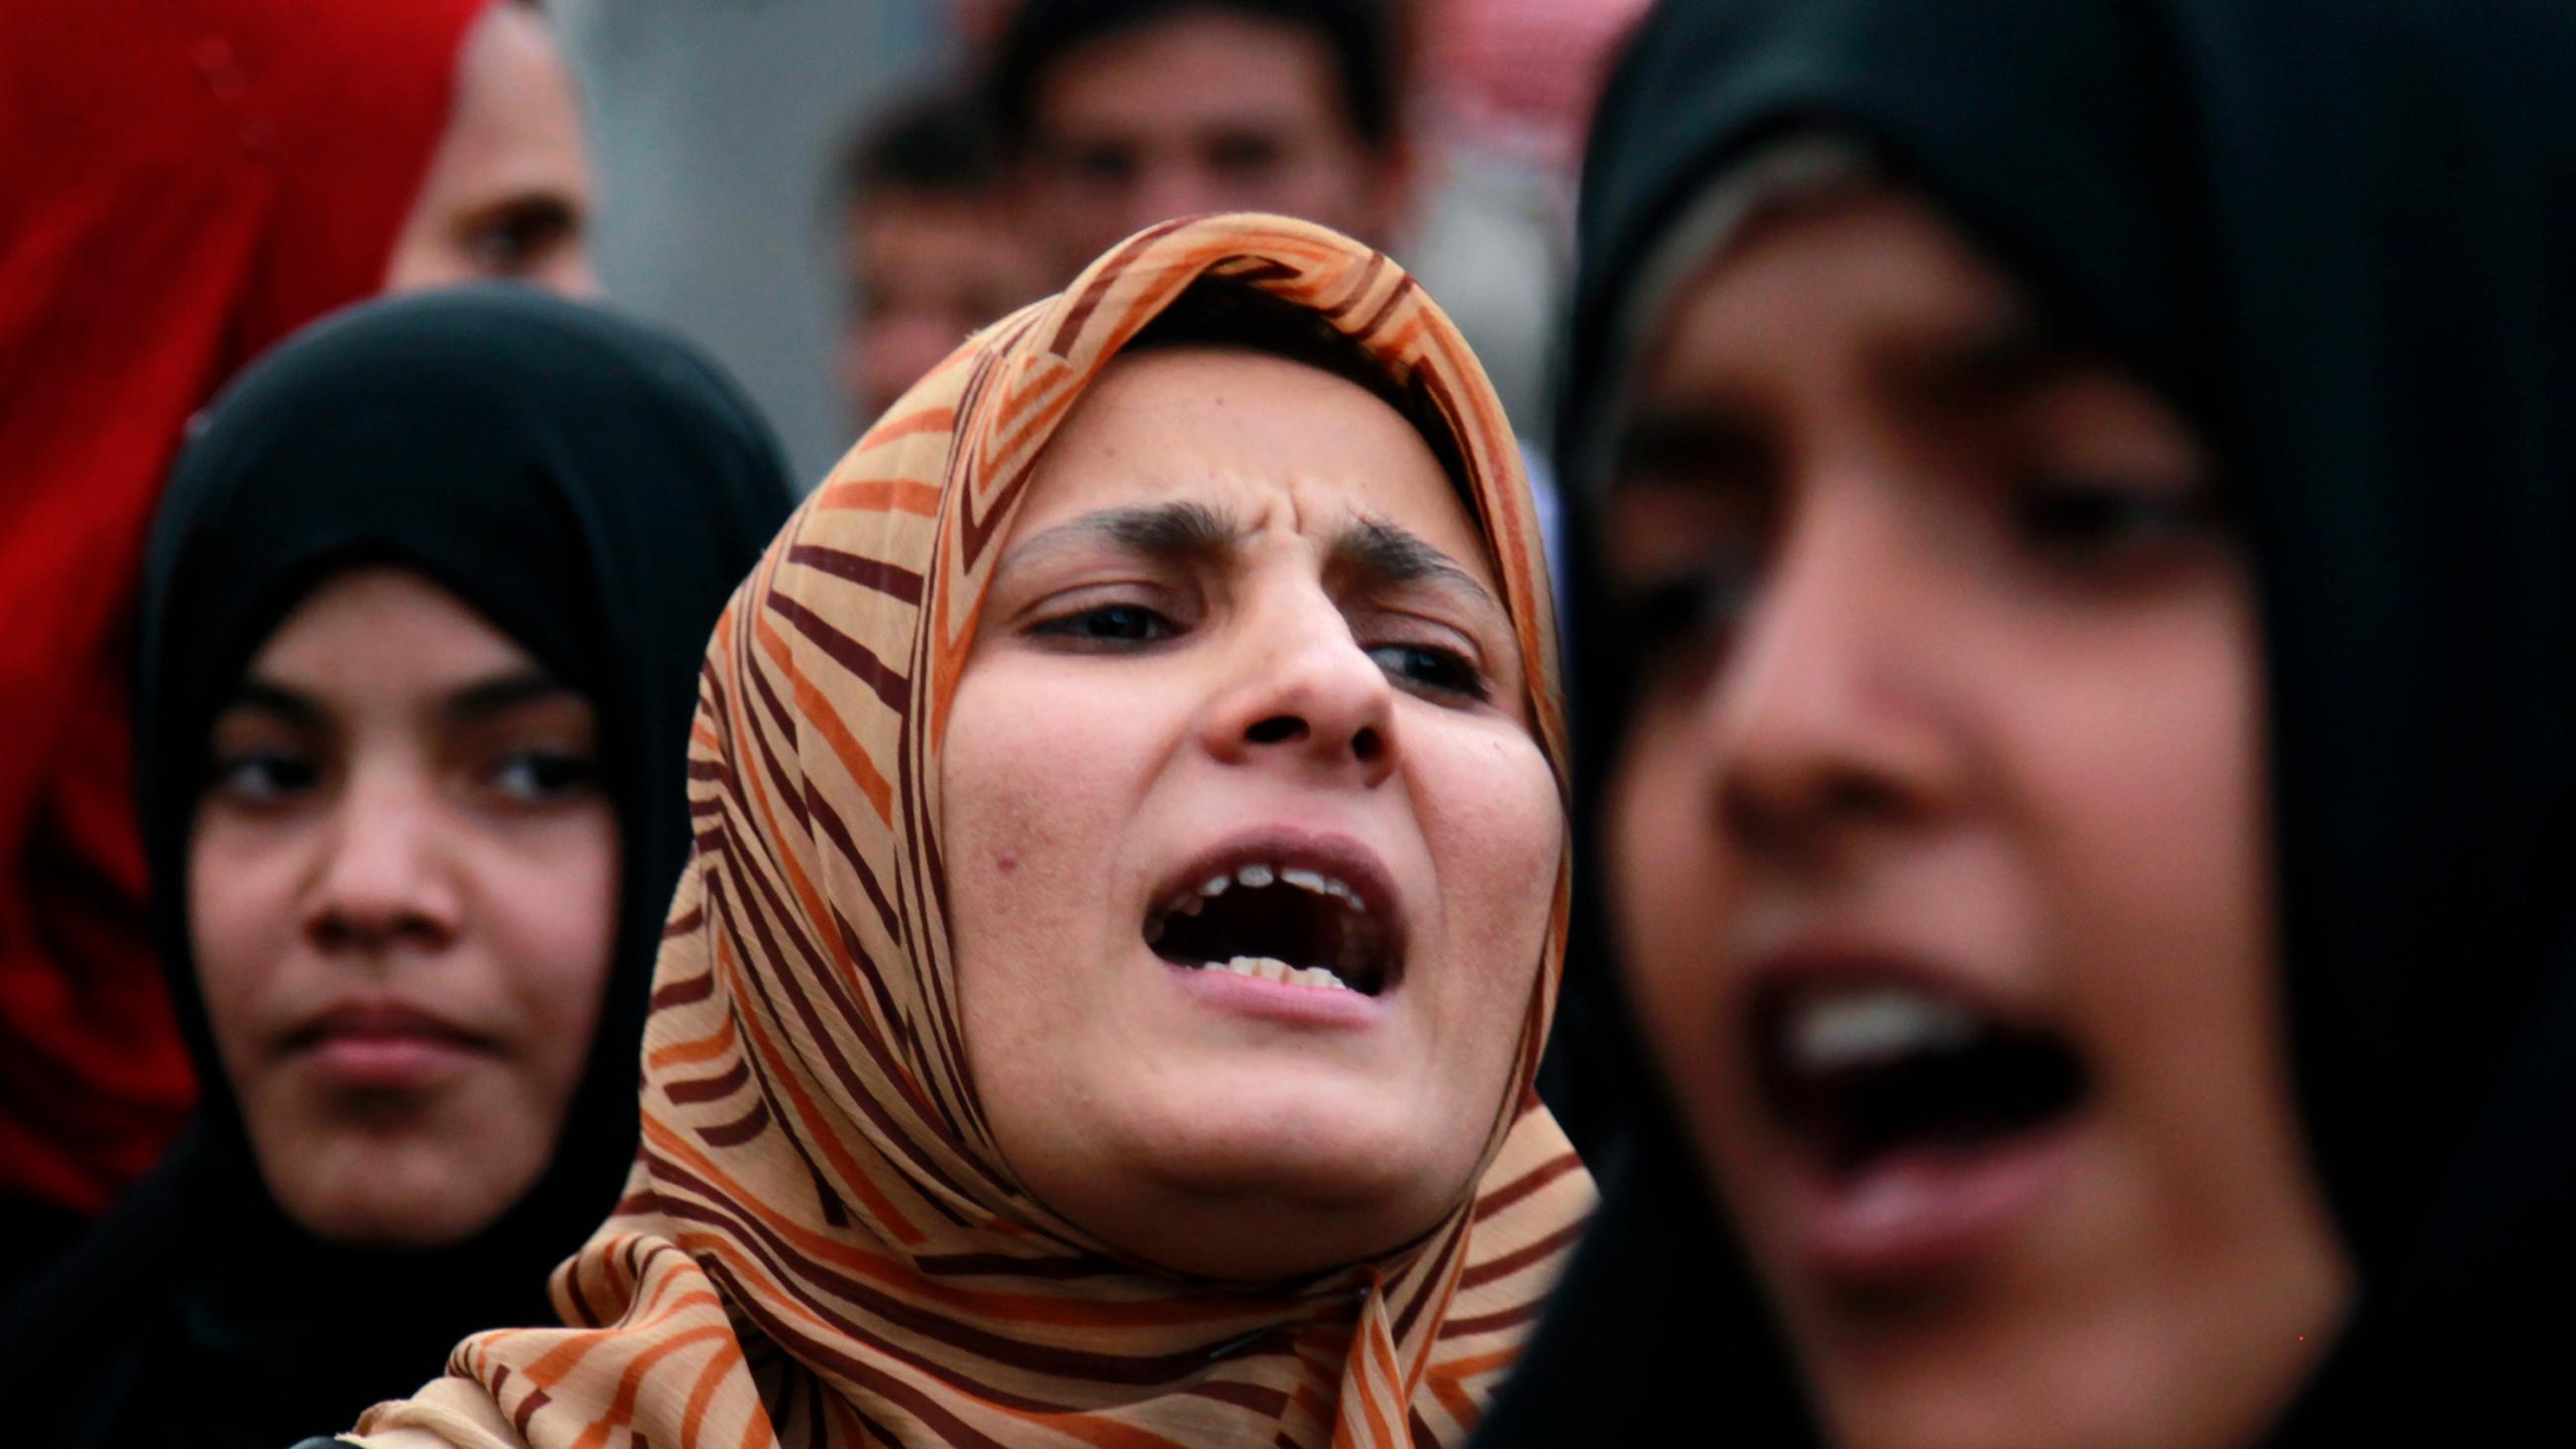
[[1831, 724], [1305, 697], [382, 885], [1170, 187]]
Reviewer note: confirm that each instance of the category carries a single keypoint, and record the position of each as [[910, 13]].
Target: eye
[[1430, 668], [1108, 625], [1102, 165], [1680, 626], [262, 777], [516, 238], [2097, 523], [543, 777], [1244, 156]]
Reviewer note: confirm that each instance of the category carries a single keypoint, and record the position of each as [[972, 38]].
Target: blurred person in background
[[1102, 1006], [420, 645], [1116, 114], [928, 252], [2081, 679], [186, 183]]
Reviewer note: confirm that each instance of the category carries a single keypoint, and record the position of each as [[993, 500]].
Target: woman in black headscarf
[[2083, 624], [423, 619]]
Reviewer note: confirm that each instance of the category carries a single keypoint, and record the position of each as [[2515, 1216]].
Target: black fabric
[[2339, 235], [595, 490]]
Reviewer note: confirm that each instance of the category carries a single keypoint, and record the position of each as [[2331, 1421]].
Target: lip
[[382, 1046], [1275, 1002], [1919, 1214], [1337, 856]]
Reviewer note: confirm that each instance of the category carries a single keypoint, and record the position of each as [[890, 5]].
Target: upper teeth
[[1260, 874], [1853, 1028]]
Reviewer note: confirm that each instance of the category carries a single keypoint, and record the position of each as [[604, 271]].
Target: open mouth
[[1275, 917], [1862, 1072]]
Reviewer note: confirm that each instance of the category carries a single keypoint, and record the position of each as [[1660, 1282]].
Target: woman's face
[[1939, 855], [507, 192], [1251, 851], [402, 898]]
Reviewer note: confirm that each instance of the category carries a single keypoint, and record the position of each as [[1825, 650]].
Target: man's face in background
[[1201, 110], [925, 267]]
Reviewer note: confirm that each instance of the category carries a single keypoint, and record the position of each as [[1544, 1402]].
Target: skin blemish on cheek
[[1006, 861]]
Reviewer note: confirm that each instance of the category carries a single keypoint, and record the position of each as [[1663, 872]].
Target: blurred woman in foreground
[[421, 636], [1103, 1005], [185, 183], [2081, 497]]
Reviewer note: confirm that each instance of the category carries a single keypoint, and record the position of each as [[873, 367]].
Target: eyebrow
[[1389, 554], [2006, 359], [1709, 439], [480, 700], [501, 693], [262, 697], [1706, 440], [1172, 532], [1385, 553]]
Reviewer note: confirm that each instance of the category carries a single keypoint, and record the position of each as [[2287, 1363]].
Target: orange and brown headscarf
[[820, 1243]]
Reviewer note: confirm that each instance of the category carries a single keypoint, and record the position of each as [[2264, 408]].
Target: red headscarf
[[182, 183]]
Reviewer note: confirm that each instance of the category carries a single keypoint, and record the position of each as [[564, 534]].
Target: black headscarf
[[2340, 235], [595, 490]]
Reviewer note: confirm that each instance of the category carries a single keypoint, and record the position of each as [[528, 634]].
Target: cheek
[[243, 924], [1489, 806], [550, 914], [1038, 787], [2146, 790], [1667, 893]]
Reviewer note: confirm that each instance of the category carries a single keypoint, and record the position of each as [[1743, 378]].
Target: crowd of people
[[1984, 875]]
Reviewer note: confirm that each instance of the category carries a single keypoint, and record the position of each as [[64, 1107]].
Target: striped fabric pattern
[[820, 1244]]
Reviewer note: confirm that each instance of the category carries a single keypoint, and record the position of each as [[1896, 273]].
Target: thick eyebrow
[[1387, 554], [260, 696], [1703, 442], [2007, 359], [1171, 532], [501, 693]]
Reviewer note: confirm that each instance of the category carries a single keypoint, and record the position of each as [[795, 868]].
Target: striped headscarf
[[820, 1242]]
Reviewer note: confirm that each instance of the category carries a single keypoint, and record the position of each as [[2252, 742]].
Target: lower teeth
[[1270, 968]]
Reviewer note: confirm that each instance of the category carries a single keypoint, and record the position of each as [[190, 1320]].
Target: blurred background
[[723, 136]]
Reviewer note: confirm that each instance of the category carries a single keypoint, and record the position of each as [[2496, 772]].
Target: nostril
[[1368, 744], [1278, 729]]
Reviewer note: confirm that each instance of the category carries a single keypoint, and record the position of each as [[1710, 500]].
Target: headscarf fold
[[2335, 236], [594, 490], [820, 1243], [182, 183]]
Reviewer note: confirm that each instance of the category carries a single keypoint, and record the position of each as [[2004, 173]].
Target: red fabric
[[182, 182]]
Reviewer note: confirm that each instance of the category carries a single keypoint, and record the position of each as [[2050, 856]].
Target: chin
[[1274, 1187], [1324, 1140], [361, 1200], [1967, 1412], [2115, 1379]]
